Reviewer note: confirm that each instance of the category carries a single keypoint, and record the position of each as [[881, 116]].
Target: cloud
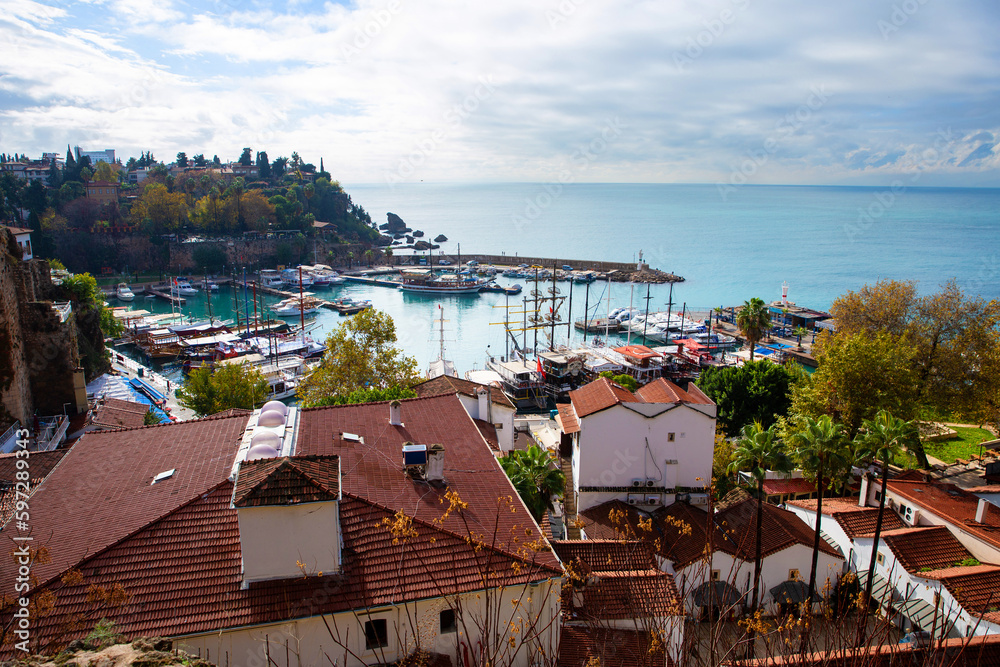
[[698, 88]]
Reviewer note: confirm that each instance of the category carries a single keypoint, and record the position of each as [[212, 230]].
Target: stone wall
[[38, 352]]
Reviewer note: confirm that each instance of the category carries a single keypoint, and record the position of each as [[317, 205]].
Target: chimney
[[981, 510], [484, 403], [863, 495], [435, 463], [395, 414]]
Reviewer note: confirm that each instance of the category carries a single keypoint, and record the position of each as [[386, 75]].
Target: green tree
[[883, 439], [199, 160], [230, 386], [858, 375], [757, 451], [369, 257], [368, 396], [757, 391], [263, 166], [246, 159], [622, 380], [536, 478], [753, 320], [821, 450], [360, 354], [182, 159], [105, 172]]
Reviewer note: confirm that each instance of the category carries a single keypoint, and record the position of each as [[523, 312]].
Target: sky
[[853, 92]]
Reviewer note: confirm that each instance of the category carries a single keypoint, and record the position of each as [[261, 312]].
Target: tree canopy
[[753, 320], [535, 477], [360, 354], [758, 391], [230, 386]]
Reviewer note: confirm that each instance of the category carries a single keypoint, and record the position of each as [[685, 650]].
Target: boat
[[441, 366], [124, 293], [296, 278], [347, 306], [425, 281], [283, 374], [306, 304], [181, 287], [512, 290], [270, 278], [522, 383], [209, 285]]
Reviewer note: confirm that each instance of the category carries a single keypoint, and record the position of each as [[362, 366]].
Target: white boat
[[124, 293], [183, 288], [209, 285], [296, 278], [271, 278], [304, 305]]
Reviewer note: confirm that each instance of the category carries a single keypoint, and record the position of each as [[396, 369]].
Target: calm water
[[821, 240]]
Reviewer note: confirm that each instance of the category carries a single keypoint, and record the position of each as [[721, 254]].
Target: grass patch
[[965, 446]]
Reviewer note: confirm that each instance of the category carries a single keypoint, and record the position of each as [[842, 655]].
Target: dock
[[368, 280], [177, 300], [598, 325], [342, 308]]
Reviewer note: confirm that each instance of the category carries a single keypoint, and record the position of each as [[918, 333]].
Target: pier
[[176, 300], [369, 280], [338, 305]]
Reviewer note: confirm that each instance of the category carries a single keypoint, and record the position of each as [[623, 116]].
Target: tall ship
[[425, 281]]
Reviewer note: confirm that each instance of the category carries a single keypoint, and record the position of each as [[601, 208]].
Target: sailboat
[[441, 366]]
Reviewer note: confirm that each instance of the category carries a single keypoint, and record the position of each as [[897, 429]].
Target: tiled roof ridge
[[201, 495], [207, 418], [942, 573], [284, 463], [452, 533], [355, 405]]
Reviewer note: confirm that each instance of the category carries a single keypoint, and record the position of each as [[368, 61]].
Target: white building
[[107, 155], [23, 238], [642, 448], [490, 409]]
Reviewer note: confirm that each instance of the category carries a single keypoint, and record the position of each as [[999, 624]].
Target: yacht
[[271, 278], [124, 293]]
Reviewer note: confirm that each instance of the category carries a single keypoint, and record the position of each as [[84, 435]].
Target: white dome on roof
[[261, 452], [275, 405], [267, 438], [271, 418]]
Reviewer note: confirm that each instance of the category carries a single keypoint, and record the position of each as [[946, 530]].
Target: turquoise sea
[[729, 246]]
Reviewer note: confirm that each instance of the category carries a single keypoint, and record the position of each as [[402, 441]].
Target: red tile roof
[[980, 651], [489, 433], [598, 395], [579, 646], [637, 352], [780, 529], [174, 546], [567, 418], [602, 393], [925, 548], [662, 390], [444, 384], [855, 520], [116, 413], [287, 481], [952, 504], [39, 465], [977, 591], [773, 487], [616, 579]]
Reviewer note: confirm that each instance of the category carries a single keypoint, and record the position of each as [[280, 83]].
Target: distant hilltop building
[[32, 170], [107, 155]]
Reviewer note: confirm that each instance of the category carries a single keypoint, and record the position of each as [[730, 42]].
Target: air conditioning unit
[[638, 482], [672, 462], [650, 483], [699, 499], [633, 501], [654, 500]]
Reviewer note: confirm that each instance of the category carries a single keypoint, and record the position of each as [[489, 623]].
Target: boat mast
[[208, 295], [670, 304], [302, 312], [586, 312], [645, 321]]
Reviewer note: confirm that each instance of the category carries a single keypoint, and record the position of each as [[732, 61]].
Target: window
[[793, 574], [670, 437], [448, 621], [878, 496], [715, 575], [376, 634], [880, 558]]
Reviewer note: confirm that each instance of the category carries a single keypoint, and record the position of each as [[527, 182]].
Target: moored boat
[[124, 293], [425, 281]]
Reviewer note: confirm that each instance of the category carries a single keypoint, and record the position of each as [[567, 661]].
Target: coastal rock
[[422, 245], [396, 224], [383, 241], [417, 233], [440, 238], [409, 239], [384, 227]]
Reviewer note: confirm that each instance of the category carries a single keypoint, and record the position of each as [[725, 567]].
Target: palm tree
[[350, 258], [799, 332], [883, 438], [758, 451], [534, 477], [753, 320], [369, 257], [821, 450]]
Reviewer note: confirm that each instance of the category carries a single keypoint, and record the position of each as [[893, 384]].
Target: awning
[[921, 615], [881, 589], [793, 592], [716, 594]]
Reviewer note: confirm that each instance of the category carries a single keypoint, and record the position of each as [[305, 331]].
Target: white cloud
[[699, 87]]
